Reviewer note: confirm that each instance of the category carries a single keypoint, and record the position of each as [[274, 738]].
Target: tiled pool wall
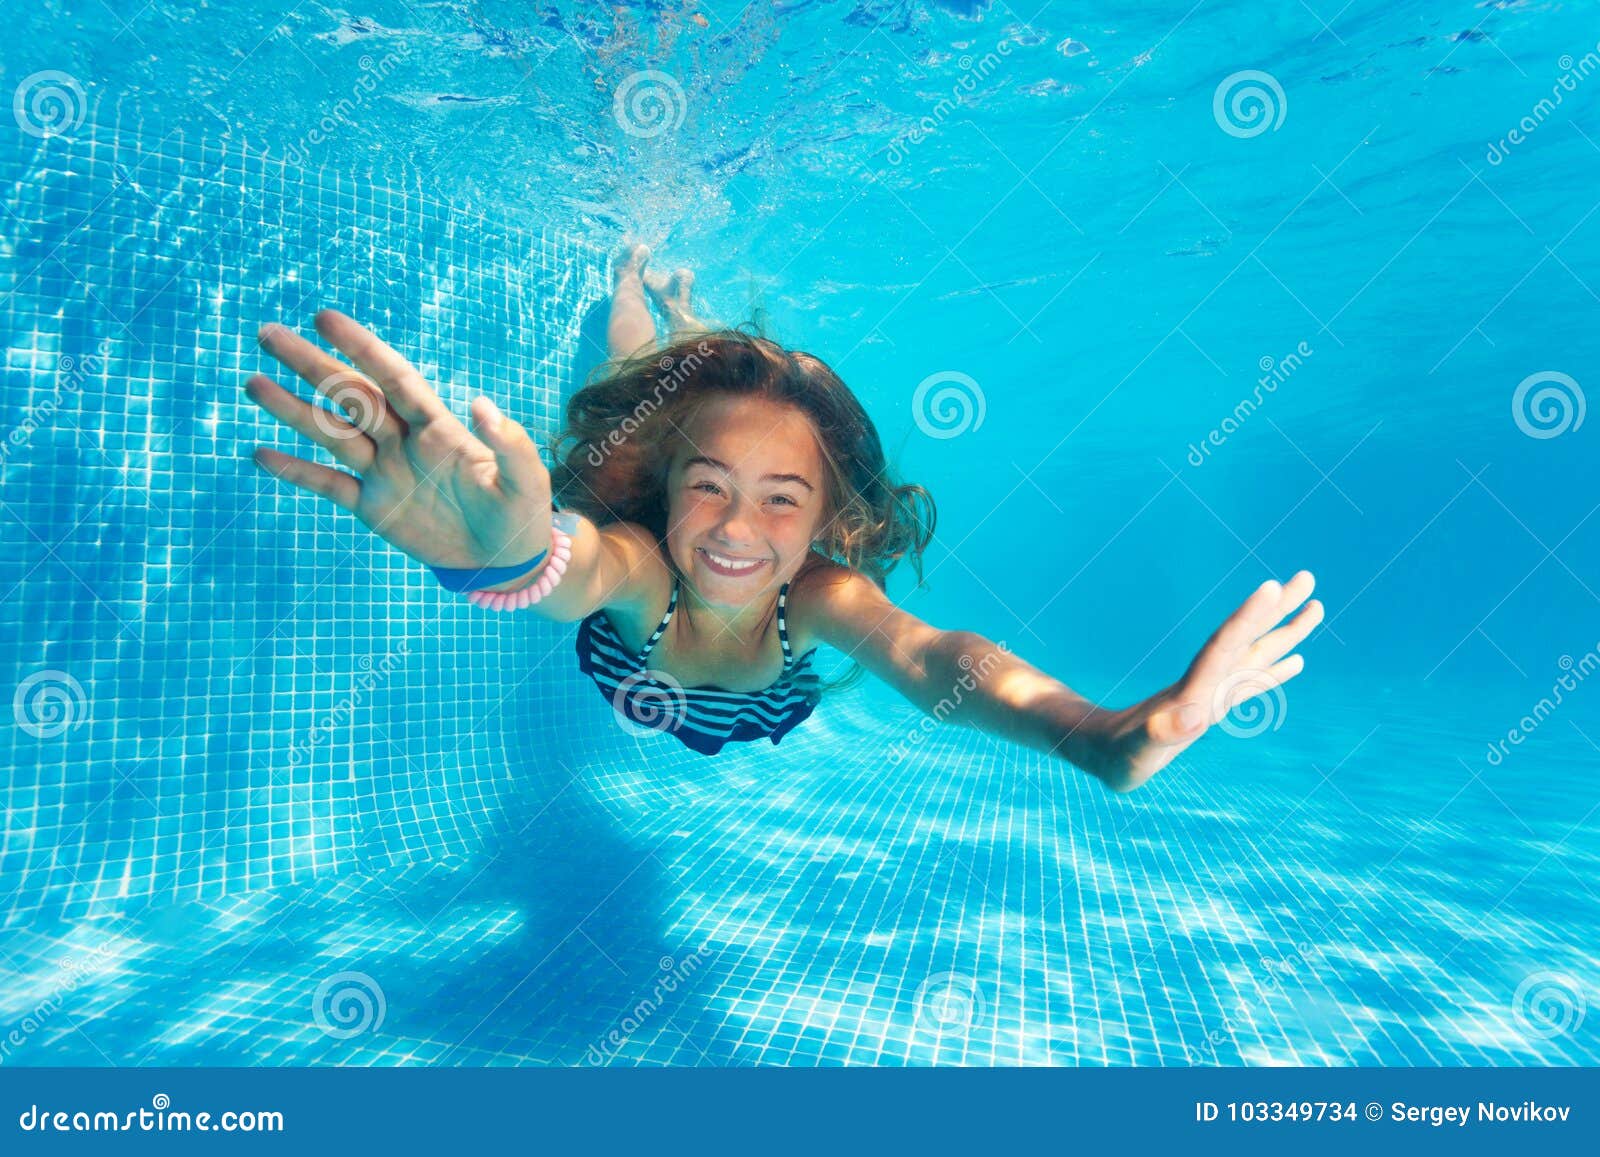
[[218, 682]]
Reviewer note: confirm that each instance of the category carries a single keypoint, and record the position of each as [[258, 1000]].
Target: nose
[[734, 530]]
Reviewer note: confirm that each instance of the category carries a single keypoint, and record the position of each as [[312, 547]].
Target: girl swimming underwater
[[724, 508]]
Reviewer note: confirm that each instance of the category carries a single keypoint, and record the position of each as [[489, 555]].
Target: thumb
[[1177, 724], [514, 451]]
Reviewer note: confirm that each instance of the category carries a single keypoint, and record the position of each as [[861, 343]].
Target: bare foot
[[672, 294], [629, 260]]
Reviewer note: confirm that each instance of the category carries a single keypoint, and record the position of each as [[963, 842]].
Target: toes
[[671, 291]]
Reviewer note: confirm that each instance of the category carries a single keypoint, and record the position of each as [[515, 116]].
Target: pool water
[[272, 797]]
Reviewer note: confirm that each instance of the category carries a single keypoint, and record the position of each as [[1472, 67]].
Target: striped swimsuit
[[703, 718]]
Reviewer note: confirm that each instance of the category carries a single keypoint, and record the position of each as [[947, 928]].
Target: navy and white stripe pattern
[[706, 717]]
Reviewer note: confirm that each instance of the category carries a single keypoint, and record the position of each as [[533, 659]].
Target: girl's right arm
[[421, 481], [611, 566]]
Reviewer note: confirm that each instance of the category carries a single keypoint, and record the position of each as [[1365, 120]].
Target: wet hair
[[624, 426]]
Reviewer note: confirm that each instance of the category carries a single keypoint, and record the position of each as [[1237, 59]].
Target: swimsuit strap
[[660, 627], [672, 603], [783, 627]]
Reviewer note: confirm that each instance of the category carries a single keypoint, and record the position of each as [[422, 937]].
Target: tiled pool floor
[[973, 904]]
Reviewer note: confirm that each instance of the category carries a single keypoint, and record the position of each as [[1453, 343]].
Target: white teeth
[[731, 564]]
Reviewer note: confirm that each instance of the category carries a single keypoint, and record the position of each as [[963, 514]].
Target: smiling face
[[746, 499]]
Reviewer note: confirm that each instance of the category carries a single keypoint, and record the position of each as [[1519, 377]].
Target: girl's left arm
[[963, 678]]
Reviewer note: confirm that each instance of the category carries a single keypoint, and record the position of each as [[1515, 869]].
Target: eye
[[705, 485], [784, 498]]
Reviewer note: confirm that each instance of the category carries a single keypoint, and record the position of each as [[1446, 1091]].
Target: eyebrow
[[703, 460]]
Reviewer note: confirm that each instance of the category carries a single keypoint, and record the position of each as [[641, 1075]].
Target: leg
[[631, 329]]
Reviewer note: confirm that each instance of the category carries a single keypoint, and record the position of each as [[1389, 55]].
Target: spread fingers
[[347, 388], [337, 487], [341, 438]]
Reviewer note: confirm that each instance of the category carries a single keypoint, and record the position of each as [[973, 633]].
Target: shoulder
[[835, 604], [635, 573], [637, 540], [838, 605]]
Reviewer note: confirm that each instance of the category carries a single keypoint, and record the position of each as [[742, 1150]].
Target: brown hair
[[623, 426]]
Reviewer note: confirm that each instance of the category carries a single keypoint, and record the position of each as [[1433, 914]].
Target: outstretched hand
[[420, 479], [1247, 656]]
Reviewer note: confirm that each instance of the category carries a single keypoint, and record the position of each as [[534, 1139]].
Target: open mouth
[[727, 565]]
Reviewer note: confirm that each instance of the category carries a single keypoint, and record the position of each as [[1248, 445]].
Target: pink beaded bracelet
[[555, 566]]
